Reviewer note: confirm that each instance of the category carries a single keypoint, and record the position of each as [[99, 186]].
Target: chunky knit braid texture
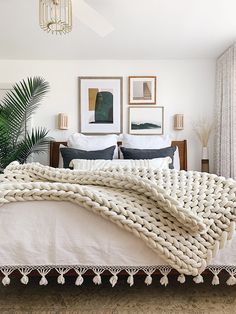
[[186, 217]]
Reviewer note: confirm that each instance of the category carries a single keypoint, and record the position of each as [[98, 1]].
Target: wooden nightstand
[[205, 165]]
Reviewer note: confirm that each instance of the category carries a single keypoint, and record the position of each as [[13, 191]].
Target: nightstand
[[205, 165]]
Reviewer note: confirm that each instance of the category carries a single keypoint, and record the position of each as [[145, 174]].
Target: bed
[[50, 237]]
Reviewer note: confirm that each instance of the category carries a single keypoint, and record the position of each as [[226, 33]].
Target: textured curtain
[[225, 142]]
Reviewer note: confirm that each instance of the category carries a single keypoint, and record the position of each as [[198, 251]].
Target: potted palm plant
[[17, 107]]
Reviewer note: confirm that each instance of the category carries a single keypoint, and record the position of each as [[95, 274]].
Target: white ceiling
[[144, 29]]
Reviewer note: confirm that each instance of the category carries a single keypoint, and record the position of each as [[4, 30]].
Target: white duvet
[[61, 233]]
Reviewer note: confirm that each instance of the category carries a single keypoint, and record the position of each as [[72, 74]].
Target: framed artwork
[[142, 90], [146, 120], [101, 105]]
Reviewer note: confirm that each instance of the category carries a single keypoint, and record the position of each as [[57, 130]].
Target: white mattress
[[61, 233]]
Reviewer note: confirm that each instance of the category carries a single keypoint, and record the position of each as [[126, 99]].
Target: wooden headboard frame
[[182, 145]]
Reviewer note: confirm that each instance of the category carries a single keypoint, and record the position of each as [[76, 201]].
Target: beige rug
[[175, 298]]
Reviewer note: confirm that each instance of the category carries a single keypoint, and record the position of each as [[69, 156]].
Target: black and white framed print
[[146, 120], [101, 104]]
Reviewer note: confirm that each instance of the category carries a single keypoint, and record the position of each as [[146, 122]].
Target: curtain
[[225, 118]]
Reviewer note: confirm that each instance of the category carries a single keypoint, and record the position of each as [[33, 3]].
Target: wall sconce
[[178, 122], [62, 121]]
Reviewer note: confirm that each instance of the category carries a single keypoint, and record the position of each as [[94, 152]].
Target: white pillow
[[90, 142], [60, 163], [146, 141], [88, 165], [150, 142], [176, 162]]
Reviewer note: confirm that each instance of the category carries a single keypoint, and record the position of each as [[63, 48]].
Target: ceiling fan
[[55, 16]]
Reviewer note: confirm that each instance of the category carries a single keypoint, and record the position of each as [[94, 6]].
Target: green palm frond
[[19, 104], [37, 142], [16, 109]]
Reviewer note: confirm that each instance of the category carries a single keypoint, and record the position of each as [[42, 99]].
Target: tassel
[[198, 279], [164, 280], [24, 280], [113, 280], [97, 280], [181, 278], [79, 281], [215, 280], [61, 280], [231, 281], [148, 280], [130, 280], [43, 281], [6, 280]]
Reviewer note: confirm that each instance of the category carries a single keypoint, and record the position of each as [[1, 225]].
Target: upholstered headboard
[[182, 145]]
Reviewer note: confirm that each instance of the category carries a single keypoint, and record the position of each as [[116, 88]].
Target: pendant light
[[55, 16]]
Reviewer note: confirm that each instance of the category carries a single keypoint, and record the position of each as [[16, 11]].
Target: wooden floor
[[175, 298]]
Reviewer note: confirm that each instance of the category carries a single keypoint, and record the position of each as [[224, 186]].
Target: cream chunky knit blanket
[[186, 217]]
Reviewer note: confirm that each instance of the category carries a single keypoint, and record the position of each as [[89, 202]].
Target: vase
[[205, 152]]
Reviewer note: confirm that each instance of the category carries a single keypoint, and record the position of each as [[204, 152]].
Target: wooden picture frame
[[146, 120], [101, 105], [142, 90]]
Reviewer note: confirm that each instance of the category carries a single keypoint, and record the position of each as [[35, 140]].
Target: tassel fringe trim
[[43, 271]]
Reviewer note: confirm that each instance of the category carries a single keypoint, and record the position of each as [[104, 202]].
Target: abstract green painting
[[100, 100]]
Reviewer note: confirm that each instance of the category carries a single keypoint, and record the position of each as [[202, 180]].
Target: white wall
[[183, 86]]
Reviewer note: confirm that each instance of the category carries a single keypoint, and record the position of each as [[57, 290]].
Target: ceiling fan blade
[[90, 17]]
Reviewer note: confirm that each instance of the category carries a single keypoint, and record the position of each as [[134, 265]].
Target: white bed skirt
[[58, 235]]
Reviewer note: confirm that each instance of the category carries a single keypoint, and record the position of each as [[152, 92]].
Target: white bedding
[[58, 233]]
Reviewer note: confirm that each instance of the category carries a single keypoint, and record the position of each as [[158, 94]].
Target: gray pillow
[[69, 154], [133, 153]]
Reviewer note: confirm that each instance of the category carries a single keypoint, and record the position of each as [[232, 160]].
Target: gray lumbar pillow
[[133, 153], [69, 154]]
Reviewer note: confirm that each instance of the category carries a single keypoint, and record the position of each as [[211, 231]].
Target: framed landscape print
[[146, 120], [100, 102], [142, 90]]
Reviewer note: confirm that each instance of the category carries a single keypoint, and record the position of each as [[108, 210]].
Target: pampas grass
[[203, 129]]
